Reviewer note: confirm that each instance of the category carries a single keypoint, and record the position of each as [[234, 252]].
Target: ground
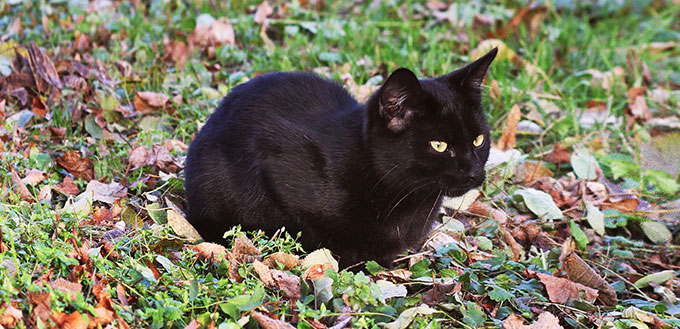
[[575, 227]]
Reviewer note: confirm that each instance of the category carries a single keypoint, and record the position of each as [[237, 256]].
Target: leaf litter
[[537, 198]]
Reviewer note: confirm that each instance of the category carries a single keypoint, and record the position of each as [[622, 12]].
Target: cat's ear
[[396, 96], [472, 75]]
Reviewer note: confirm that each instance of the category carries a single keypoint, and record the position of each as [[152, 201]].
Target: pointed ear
[[396, 94], [472, 75]]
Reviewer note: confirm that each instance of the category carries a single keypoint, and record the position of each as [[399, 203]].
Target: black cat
[[365, 181]]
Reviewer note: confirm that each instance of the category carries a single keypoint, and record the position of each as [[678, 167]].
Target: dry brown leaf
[[263, 272], [530, 16], [41, 305], [514, 321], [73, 289], [263, 11], [120, 293], [508, 138], [45, 193], [108, 193], [288, 283], [179, 52], [104, 308], [44, 72], [19, 187], [559, 154], [148, 101], [181, 225], [193, 324], [316, 271], [210, 251], [287, 260], [268, 323], [562, 290], [530, 171], [624, 205], [11, 316], [152, 267], [67, 187], [39, 108], [222, 33], [510, 241], [578, 271], [69, 321], [395, 276], [80, 167], [137, 157], [547, 320], [439, 292]]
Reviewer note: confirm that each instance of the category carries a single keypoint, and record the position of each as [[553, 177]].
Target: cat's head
[[431, 132]]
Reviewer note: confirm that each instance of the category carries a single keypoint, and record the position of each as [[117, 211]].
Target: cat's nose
[[475, 176]]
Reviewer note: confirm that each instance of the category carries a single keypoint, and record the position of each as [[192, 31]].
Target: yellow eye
[[438, 146], [478, 141]]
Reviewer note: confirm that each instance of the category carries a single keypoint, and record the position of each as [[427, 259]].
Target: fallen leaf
[[71, 321], [181, 226], [658, 278], [439, 292], [578, 271], [210, 251], [19, 187], [287, 260], [147, 101], [559, 154], [540, 203], [316, 271], [80, 167], [73, 289], [407, 316], [120, 293], [529, 171], [546, 320], [268, 323], [45, 193], [263, 272], [11, 316], [514, 321], [390, 290], [320, 256], [507, 140], [288, 283], [656, 232], [263, 11], [43, 69], [39, 108], [595, 218], [635, 313], [584, 164], [193, 324], [41, 305], [67, 187], [561, 290], [108, 193], [397, 276], [152, 267]]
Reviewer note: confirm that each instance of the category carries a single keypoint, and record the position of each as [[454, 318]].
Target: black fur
[[296, 150]]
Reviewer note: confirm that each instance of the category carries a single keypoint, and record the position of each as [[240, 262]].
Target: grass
[[44, 241]]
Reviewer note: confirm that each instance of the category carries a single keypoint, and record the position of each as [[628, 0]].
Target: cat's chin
[[459, 190]]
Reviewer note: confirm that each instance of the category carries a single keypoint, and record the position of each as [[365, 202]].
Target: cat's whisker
[[383, 177], [404, 198]]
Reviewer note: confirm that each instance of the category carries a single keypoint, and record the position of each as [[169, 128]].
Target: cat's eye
[[438, 146], [478, 141]]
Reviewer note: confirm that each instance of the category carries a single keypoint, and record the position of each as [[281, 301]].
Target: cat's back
[[295, 96]]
